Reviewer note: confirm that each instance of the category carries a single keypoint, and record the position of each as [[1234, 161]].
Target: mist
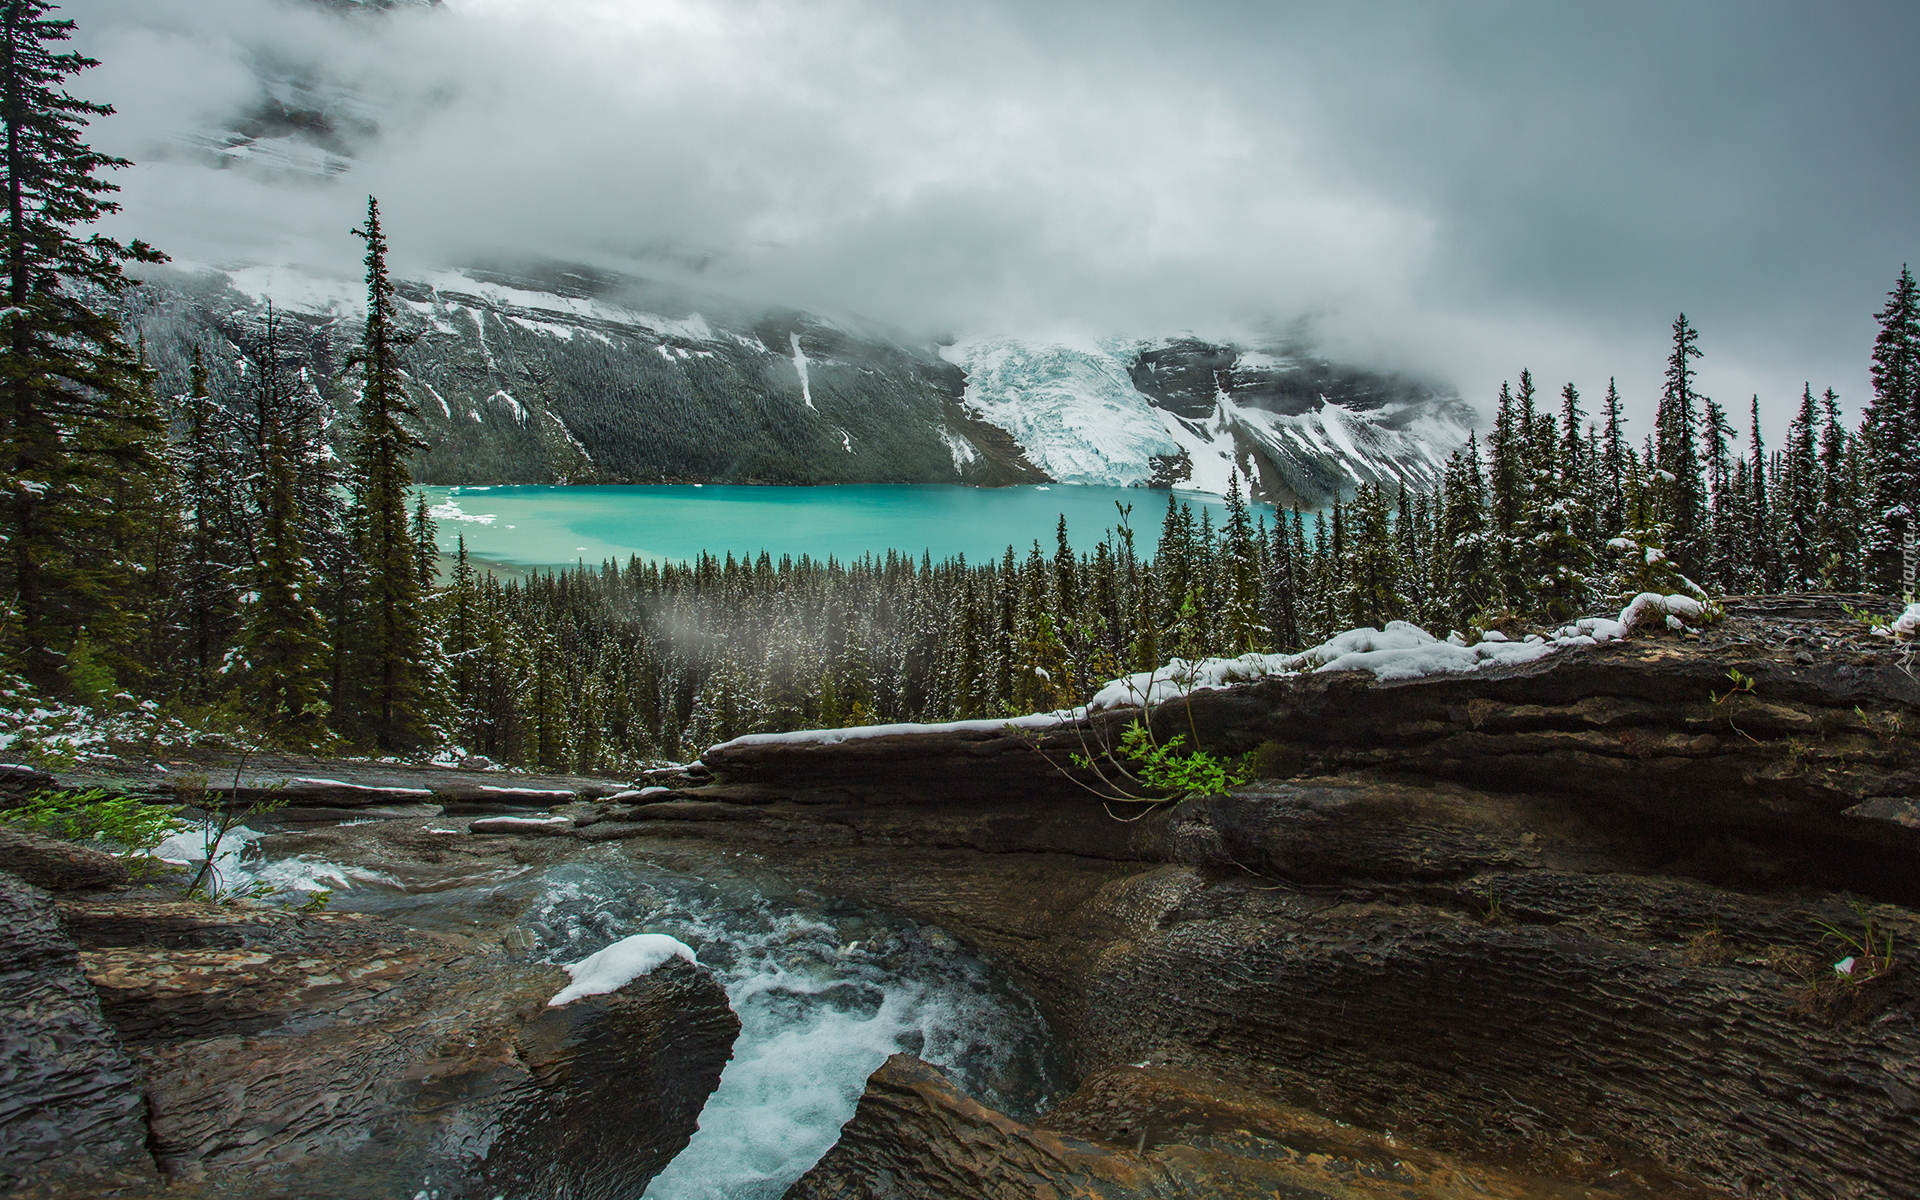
[[1454, 194]]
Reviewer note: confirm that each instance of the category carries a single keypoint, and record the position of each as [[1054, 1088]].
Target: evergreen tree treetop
[[1680, 494], [1893, 434], [73, 394]]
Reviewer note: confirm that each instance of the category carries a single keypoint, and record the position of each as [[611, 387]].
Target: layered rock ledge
[[246, 1051], [1570, 921]]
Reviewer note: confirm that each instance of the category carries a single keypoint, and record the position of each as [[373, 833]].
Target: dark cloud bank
[[1458, 190]]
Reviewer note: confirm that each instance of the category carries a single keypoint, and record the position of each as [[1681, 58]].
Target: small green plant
[[1491, 914], [1852, 989], [1142, 768], [1164, 767], [124, 823], [1742, 686], [219, 822], [317, 901], [1872, 620], [1885, 725], [1868, 949]]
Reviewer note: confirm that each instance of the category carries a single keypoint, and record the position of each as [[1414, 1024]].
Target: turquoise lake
[[543, 526]]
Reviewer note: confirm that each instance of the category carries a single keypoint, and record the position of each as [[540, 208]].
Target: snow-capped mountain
[[554, 373], [1194, 413], [563, 374]]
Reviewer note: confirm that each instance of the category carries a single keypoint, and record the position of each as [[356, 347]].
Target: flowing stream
[[824, 992]]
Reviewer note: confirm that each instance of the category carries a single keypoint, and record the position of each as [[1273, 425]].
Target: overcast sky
[[1456, 189]]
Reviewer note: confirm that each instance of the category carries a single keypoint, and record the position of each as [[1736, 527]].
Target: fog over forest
[[1457, 192]]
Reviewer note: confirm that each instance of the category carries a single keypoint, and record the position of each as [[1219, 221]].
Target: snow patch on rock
[[615, 967]]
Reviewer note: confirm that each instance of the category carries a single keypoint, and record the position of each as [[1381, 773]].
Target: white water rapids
[[824, 993], [823, 997]]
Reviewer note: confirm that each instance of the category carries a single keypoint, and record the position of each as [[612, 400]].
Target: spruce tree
[[1893, 432], [1613, 466], [390, 647], [1279, 589], [1471, 584], [1799, 497], [1510, 463], [1763, 560], [1839, 515], [1561, 557], [216, 559], [1241, 629], [1374, 595], [1679, 497], [284, 650], [69, 382]]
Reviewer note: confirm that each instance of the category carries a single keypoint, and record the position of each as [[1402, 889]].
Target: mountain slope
[[558, 374]]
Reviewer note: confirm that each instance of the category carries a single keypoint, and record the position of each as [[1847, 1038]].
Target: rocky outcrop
[[313, 791], [342, 1054], [70, 1100], [614, 1090], [1578, 917], [56, 864], [1129, 1133]]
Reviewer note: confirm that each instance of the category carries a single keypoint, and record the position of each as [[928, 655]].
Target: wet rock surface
[[296, 1054], [71, 1105], [321, 790], [1130, 1133], [1562, 929], [1576, 919], [58, 865]]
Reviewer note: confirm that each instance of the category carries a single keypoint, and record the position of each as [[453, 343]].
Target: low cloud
[[1457, 194]]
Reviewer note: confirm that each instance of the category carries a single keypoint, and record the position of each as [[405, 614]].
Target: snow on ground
[[1074, 410], [1907, 624], [1398, 652], [613, 968], [297, 290]]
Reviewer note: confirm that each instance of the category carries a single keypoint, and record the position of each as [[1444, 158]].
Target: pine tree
[[1893, 433], [1471, 586], [391, 643], [1763, 561], [1509, 467], [1562, 558], [69, 382], [284, 649], [1613, 451], [1839, 515], [1722, 546], [1241, 629], [215, 557], [1280, 588], [1679, 497], [1374, 596], [1799, 496]]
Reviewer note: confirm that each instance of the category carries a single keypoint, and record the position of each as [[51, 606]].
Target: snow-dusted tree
[[1680, 495], [1374, 596], [389, 647], [77, 419], [1241, 629], [1893, 434]]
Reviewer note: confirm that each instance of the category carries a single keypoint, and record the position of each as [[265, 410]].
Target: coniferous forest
[[240, 559]]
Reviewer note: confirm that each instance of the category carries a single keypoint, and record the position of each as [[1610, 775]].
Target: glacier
[[1073, 410]]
